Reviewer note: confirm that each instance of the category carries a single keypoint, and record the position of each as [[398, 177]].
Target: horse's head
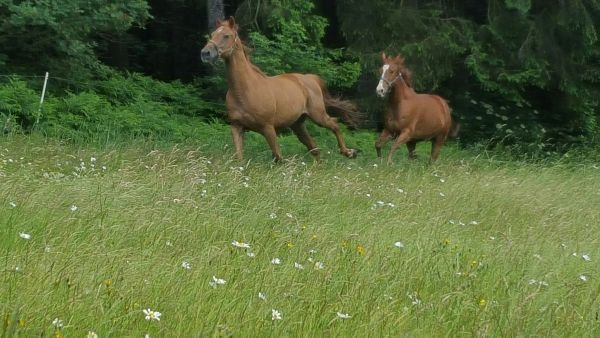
[[392, 71], [222, 41]]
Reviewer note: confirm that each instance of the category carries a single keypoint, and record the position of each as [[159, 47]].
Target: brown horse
[[265, 104], [410, 117]]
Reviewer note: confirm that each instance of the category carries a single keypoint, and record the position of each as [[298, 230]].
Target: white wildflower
[[272, 215], [414, 299], [289, 215], [240, 245], [538, 282], [584, 278], [343, 315], [92, 159], [250, 254], [58, 323], [186, 265], [275, 261], [91, 334], [216, 282], [25, 236], [12, 204], [586, 257], [152, 315], [73, 208], [319, 266], [275, 315], [399, 245], [262, 296], [298, 266]]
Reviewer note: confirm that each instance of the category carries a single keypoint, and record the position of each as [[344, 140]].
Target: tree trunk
[[215, 12]]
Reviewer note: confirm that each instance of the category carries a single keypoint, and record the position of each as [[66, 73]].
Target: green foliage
[[19, 105], [113, 106], [292, 43], [60, 36], [538, 60]]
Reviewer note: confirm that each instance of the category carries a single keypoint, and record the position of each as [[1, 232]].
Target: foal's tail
[[454, 126], [347, 110]]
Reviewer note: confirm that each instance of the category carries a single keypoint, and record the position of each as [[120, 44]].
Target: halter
[[390, 83], [221, 51]]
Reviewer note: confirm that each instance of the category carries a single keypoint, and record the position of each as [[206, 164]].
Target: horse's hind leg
[[271, 135], [299, 128], [382, 140], [411, 146], [436, 146], [321, 118]]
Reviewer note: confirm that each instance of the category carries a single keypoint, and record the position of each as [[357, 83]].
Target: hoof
[[352, 153]]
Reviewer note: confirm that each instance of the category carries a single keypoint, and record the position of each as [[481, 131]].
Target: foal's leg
[[237, 132], [299, 128], [436, 145], [321, 118], [411, 149], [400, 140], [271, 135], [382, 140]]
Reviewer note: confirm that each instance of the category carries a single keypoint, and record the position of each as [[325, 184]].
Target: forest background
[[523, 72]]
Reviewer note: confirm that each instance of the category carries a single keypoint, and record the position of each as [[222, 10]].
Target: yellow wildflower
[[361, 250]]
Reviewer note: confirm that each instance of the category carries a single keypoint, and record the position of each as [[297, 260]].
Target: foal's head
[[222, 41], [392, 72]]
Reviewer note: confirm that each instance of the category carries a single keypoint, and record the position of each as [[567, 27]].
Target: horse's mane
[[406, 73], [247, 51]]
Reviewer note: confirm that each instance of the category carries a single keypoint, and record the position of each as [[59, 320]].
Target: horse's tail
[[454, 129], [347, 110], [454, 126]]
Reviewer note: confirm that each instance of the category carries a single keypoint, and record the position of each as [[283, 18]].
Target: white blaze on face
[[380, 89]]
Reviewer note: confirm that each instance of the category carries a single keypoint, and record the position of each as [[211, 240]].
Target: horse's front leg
[[237, 132], [271, 135], [384, 137], [400, 140]]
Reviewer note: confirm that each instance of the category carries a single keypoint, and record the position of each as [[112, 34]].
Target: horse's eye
[[227, 36]]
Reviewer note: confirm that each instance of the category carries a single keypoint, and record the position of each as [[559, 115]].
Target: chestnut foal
[[411, 117]]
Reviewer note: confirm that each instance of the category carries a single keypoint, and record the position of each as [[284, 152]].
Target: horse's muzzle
[[209, 54]]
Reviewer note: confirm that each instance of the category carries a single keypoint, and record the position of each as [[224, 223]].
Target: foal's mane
[[406, 73]]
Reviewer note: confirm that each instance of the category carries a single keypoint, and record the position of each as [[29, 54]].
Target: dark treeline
[[514, 70]]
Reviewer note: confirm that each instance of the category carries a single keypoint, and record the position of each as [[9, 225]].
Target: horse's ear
[[383, 57], [219, 22], [232, 23], [399, 59]]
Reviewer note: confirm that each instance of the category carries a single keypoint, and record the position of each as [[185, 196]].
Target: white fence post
[[37, 120]]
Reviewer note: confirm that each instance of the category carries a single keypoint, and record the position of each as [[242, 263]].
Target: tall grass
[[471, 246]]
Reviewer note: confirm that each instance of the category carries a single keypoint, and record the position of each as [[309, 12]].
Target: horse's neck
[[401, 92], [240, 74]]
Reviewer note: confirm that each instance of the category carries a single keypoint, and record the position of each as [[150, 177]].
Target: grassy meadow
[[475, 245]]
